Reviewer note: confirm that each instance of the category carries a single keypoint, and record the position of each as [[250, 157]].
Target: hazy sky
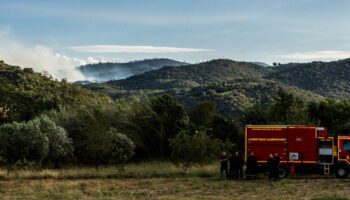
[[78, 32]]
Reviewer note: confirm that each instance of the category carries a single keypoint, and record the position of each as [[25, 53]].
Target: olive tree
[[23, 143], [122, 148], [32, 142], [109, 147], [97, 148], [193, 150], [60, 145]]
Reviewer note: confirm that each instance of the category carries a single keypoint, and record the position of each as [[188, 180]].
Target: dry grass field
[[160, 180]]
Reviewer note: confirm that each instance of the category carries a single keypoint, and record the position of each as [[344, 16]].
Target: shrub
[[23, 143], [193, 150], [29, 143], [122, 148], [60, 145], [109, 147]]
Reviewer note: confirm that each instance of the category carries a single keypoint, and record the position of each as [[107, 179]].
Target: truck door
[[342, 167], [344, 148]]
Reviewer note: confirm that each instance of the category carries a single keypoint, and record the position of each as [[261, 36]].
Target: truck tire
[[341, 172], [283, 172]]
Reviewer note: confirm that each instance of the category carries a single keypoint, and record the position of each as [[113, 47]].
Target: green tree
[[170, 118], [203, 114], [193, 150], [84, 124], [287, 109], [98, 146], [23, 143], [138, 122], [335, 115], [256, 114], [284, 109], [226, 130], [122, 148], [60, 145]]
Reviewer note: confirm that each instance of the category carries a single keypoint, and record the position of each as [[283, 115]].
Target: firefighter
[[240, 165], [236, 166], [224, 164], [270, 167], [252, 165], [231, 167], [276, 166]]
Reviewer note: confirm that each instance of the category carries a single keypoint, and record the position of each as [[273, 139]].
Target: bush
[[193, 150], [122, 148], [203, 114], [109, 147], [60, 145], [97, 148], [23, 143], [29, 143]]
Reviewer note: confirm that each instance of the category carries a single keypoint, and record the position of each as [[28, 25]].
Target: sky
[[56, 36]]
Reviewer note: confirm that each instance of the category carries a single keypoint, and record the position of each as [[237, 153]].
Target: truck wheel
[[341, 172], [283, 172]]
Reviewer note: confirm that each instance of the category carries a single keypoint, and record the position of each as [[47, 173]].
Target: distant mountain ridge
[[192, 75], [261, 64], [235, 85], [231, 84], [330, 79], [114, 71]]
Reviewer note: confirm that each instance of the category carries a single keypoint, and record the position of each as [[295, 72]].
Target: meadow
[[160, 180]]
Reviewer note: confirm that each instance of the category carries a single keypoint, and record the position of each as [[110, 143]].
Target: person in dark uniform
[[240, 163], [276, 166], [270, 167], [236, 166], [252, 165], [224, 164], [232, 167]]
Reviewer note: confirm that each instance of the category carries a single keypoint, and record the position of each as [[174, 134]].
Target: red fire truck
[[304, 148]]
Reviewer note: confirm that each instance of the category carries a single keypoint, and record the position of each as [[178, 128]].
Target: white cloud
[[40, 58], [317, 55], [133, 49]]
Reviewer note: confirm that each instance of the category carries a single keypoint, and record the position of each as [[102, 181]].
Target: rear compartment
[[297, 144]]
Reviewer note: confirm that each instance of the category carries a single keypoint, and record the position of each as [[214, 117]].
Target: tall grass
[[159, 180], [152, 169]]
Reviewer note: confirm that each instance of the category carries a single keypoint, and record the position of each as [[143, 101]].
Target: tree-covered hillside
[[114, 71], [192, 75], [232, 97], [330, 79], [232, 85], [25, 93]]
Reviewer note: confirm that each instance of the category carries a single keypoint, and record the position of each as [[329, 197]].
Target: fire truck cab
[[307, 149], [343, 156]]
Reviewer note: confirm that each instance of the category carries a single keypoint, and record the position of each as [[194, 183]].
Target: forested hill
[[232, 97], [236, 85], [25, 93], [330, 79], [192, 75], [115, 71]]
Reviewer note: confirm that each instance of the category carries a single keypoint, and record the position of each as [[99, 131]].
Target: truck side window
[[346, 145]]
